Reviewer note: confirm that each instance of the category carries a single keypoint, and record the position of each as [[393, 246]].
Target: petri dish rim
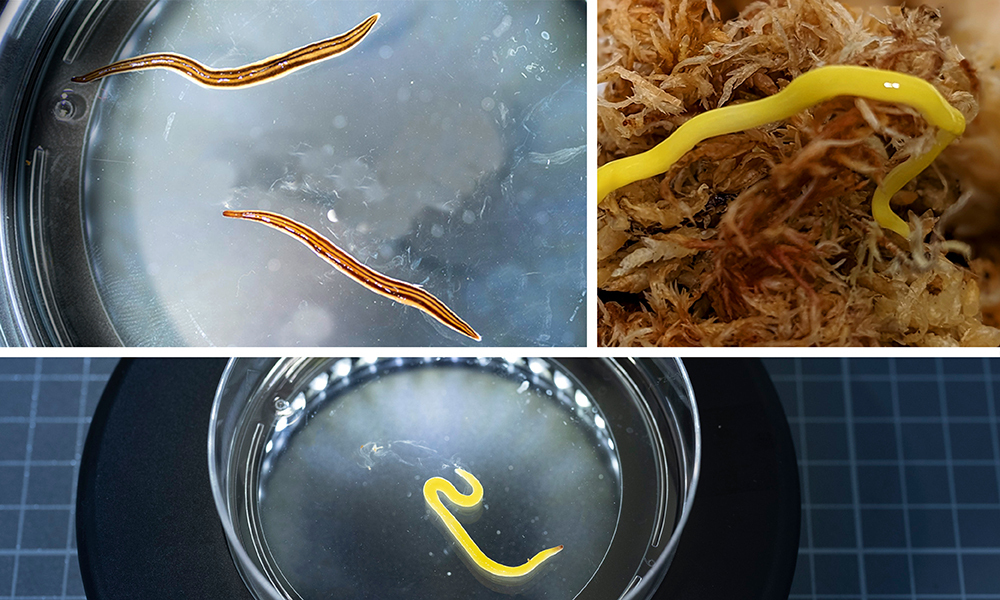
[[645, 376]]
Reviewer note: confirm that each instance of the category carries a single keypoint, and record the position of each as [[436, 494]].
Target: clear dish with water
[[447, 150], [318, 468]]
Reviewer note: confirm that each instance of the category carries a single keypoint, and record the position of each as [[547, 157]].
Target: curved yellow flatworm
[[818, 85], [469, 505]]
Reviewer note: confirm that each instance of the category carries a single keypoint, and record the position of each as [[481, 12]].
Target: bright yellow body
[[437, 487], [809, 89]]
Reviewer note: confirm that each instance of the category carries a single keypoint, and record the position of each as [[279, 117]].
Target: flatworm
[[809, 89], [400, 291], [259, 72], [504, 577]]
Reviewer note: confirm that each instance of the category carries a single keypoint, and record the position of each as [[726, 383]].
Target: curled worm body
[[809, 89], [256, 73], [400, 291], [481, 565]]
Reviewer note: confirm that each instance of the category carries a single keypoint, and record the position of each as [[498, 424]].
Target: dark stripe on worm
[[262, 71], [400, 291]]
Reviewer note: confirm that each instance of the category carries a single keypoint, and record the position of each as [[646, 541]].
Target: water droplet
[[69, 106], [64, 110]]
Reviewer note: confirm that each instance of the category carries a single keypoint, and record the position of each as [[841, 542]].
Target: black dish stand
[[147, 525]]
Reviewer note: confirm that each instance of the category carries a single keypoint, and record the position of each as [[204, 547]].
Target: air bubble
[[69, 106], [64, 110]]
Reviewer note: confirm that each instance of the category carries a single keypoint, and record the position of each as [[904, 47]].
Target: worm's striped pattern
[[262, 71], [400, 291]]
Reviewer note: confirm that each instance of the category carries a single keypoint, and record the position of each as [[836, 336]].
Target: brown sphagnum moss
[[765, 237]]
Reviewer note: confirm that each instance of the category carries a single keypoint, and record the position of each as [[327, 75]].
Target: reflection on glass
[[344, 485]]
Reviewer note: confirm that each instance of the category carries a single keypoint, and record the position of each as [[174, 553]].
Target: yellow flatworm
[[394, 289], [469, 505], [809, 89]]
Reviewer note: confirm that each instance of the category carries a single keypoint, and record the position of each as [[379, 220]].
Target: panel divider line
[[804, 449], [991, 407], [885, 597], [916, 551], [953, 494], [923, 462], [898, 430], [77, 455], [37, 552], [930, 420], [32, 413], [867, 378], [912, 505], [845, 366]]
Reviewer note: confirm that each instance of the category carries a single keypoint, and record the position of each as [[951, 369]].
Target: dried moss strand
[[807, 90]]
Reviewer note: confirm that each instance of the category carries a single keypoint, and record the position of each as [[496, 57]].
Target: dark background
[[899, 462]]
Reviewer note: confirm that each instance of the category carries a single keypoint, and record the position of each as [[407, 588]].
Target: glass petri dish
[[318, 469], [447, 150]]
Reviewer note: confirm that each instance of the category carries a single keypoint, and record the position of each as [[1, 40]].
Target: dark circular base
[[742, 538], [147, 525]]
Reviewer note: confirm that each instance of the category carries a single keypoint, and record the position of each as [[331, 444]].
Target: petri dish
[[447, 150], [318, 469]]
